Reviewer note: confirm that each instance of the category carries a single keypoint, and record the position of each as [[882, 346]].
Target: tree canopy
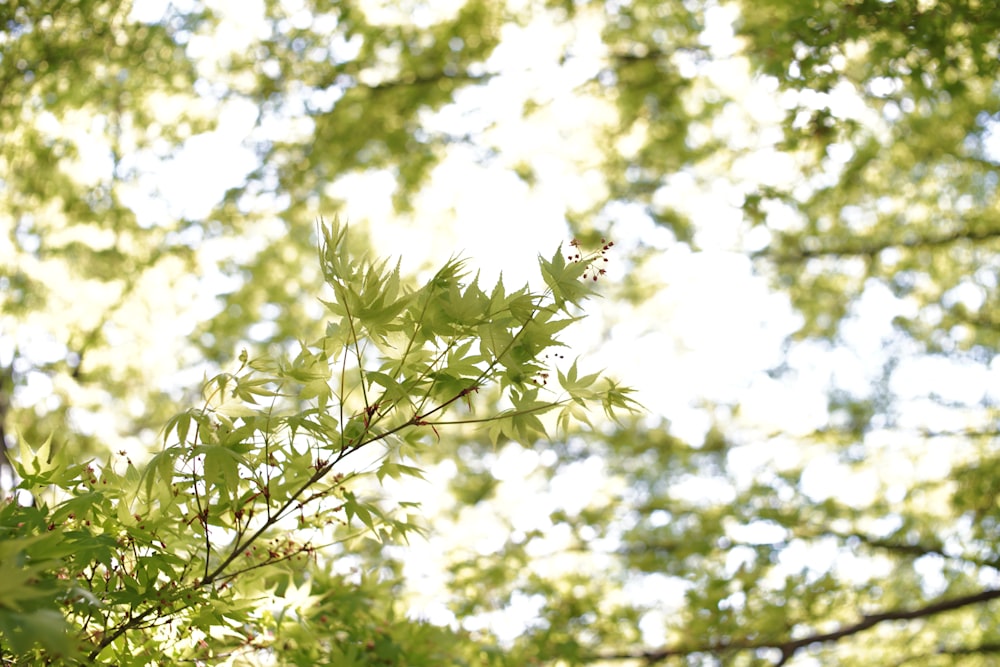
[[226, 358]]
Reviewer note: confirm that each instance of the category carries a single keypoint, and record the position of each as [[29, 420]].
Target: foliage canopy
[[250, 493], [846, 150]]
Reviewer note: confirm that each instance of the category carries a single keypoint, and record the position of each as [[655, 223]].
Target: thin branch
[[425, 80], [789, 648], [872, 247], [988, 647]]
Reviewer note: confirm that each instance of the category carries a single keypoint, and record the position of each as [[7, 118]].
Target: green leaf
[[318, 388], [394, 391], [565, 280], [579, 389], [36, 464], [352, 509], [221, 468], [396, 470], [160, 469], [45, 628], [616, 399], [181, 423]]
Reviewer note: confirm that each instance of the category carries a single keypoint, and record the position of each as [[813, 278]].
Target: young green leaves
[[260, 468]]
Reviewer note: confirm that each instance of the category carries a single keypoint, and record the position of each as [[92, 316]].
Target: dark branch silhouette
[[790, 647], [872, 247]]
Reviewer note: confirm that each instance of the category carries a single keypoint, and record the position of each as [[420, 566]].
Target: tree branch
[[434, 78], [872, 247], [790, 647]]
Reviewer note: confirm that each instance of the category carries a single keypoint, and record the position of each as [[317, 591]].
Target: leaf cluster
[[274, 474]]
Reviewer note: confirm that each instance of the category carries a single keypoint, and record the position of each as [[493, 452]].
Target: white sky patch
[[757, 460], [767, 402], [241, 26], [148, 11], [718, 33], [493, 220], [707, 333], [991, 140], [952, 380], [508, 624], [825, 477], [707, 490], [514, 463], [191, 182], [580, 484], [663, 595], [496, 221], [758, 532]]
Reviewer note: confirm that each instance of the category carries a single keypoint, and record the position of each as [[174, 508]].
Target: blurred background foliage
[[854, 145]]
